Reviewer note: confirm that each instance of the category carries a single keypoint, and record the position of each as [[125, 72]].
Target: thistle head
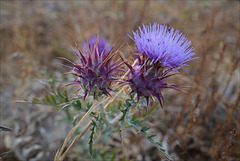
[[159, 43], [148, 80], [160, 50], [94, 73]]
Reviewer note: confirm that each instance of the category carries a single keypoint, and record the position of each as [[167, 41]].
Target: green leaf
[[91, 137], [145, 128], [149, 136], [77, 105]]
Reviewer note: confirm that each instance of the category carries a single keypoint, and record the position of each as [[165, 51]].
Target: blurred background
[[202, 124]]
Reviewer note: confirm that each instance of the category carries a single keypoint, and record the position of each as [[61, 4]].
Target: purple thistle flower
[[148, 80], [163, 44], [95, 71], [102, 43]]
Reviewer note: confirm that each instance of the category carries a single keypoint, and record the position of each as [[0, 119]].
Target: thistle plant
[[160, 52]]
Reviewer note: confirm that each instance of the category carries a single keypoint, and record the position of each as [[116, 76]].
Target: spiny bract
[[94, 72], [147, 80]]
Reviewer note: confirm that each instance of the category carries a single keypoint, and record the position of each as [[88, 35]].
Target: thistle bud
[[148, 80], [94, 73]]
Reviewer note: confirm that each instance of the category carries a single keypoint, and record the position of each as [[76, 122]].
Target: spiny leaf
[[77, 105], [91, 137], [143, 130]]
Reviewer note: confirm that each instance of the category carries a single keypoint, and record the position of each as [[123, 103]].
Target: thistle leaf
[[91, 137]]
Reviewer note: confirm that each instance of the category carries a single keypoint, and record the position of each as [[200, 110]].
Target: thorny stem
[[58, 156]]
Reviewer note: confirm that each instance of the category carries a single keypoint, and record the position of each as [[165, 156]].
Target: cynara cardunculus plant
[[160, 51], [94, 73]]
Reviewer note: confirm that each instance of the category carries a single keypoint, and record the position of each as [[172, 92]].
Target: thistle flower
[[102, 44], [160, 51], [163, 44], [148, 80], [94, 73]]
